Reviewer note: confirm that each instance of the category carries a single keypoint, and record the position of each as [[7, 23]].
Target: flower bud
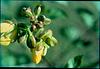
[[33, 28], [39, 45], [45, 45], [39, 32], [41, 18], [38, 48], [46, 35], [27, 12], [31, 42], [45, 51], [47, 21], [21, 32], [37, 10], [51, 41], [39, 24], [44, 19], [32, 19], [22, 40]]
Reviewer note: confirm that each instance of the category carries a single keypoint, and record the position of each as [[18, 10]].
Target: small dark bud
[[31, 41], [41, 18]]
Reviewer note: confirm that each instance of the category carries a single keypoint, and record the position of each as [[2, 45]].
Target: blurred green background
[[74, 24]]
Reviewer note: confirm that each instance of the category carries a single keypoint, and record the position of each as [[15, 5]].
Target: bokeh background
[[75, 25]]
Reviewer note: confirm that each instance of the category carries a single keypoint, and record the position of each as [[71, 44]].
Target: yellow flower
[[8, 32], [37, 55], [5, 41], [6, 26]]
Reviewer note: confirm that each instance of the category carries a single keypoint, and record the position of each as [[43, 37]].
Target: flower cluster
[[37, 40]]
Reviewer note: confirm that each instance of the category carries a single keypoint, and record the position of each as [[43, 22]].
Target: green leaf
[[74, 62]]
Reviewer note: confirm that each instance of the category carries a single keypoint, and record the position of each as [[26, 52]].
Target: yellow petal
[[37, 56], [5, 41], [6, 27]]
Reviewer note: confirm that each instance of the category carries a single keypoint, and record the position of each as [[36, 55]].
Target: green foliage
[[74, 62]]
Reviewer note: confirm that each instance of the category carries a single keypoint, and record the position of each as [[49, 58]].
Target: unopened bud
[[31, 42], [51, 41], [45, 45], [45, 51], [41, 18], [33, 28], [22, 40], [39, 32], [47, 21], [37, 10], [44, 19], [39, 24], [28, 12], [46, 34], [39, 45], [32, 19]]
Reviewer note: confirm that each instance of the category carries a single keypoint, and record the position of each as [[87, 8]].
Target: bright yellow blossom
[[7, 32]]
